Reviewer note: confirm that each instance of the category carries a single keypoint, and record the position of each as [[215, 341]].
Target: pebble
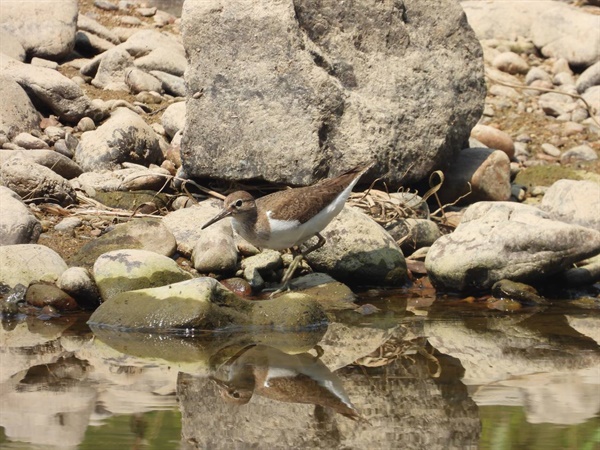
[[494, 138], [571, 128], [510, 62], [551, 150], [41, 62], [535, 74], [86, 124], [68, 224], [28, 141], [105, 5], [578, 153]]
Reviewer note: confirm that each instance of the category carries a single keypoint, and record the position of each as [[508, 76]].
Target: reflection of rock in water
[[50, 405], [405, 408]]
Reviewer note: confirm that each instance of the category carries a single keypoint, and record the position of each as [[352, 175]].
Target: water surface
[[418, 374]]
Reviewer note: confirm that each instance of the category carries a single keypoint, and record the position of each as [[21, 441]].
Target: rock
[[112, 69], [139, 81], [185, 224], [24, 263], [68, 224], [140, 234], [554, 27], [79, 284], [503, 240], [511, 63], [89, 43], [61, 95], [575, 202], [556, 104], [171, 84], [256, 266], [124, 137], [578, 153], [535, 74], [146, 179], [494, 138], [136, 178], [590, 77], [358, 251], [44, 29], [47, 294], [129, 270], [59, 164], [18, 225], [34, 181], [520, 292], [19, 114], [105, 5], [487, 171], [173, 119], [27, 141], [327, 81], [204, 304], [215, 250], [54, 133], [331, 295], [86, 124], [586, 273], [11, 46], [86, 23], [551, 150], [166, 59], [413, 234]]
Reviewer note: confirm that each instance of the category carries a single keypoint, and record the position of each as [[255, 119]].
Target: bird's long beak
[[221, 215]]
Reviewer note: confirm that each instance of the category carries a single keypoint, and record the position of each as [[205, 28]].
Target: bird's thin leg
[[287, 276]]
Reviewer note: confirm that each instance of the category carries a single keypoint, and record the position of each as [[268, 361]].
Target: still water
[[418, 374]]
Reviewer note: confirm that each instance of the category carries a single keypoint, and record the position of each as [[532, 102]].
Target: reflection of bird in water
[[271, 373]]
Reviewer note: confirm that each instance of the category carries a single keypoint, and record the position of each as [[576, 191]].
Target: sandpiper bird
[[288, 218]]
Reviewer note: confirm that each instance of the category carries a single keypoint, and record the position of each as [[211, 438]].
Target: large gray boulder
[[44, 29], [502, 240], [576, 202], [289, 91]]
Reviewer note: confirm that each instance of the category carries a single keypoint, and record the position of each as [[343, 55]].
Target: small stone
[[579, 153], [130, 20], [494, 138], [563, 78], [561, 65], [86, 124], [146, 12], [537, 73], [510, 62], [551, 150], [54, 133], [238, 286], [40, 62], [68, 224], [28, 141], [105, 5], [571, 128]]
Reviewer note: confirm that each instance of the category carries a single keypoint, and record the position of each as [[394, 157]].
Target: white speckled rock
[[18, 225], [576, 202], [24, 263], [501, 240]]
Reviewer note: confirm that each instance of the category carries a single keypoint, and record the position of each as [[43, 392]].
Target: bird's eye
[[238, 203], [235, 394]]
